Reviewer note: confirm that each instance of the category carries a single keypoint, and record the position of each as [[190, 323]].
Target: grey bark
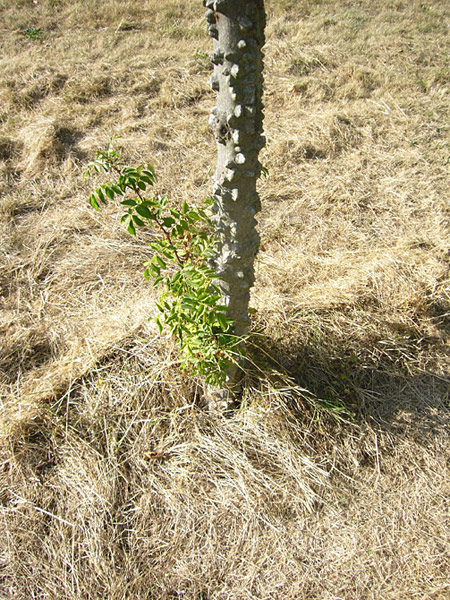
[[237, 29]]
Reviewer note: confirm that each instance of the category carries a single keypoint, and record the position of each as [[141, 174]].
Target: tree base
[[219, 401]]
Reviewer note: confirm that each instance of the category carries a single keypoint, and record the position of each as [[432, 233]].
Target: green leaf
[[117, 189], [222, 320], [176, 277], [93, 202], [185, 208], [150, 171], [210, 300], [155, 268], [192, 217], [131, 228], [109, 192], [144, 211], [150, 202], [168, 222], [138, 221], [128, 203], [101, 195], [141, 185], [159, 324], [189, 303], [221, 307], [161, 262], [168, 254]]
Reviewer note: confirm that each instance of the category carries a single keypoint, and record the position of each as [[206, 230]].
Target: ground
[[331, 481]]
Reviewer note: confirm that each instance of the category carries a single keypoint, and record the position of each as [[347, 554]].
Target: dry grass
[[114, 482]]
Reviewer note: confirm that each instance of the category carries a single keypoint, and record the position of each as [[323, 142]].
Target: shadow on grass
[[366, 379]]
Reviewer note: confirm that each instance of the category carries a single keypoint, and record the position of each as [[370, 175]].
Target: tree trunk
[[237, 29]]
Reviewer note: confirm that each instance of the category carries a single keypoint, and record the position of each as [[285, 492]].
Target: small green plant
[[189, 305], [33, 33]]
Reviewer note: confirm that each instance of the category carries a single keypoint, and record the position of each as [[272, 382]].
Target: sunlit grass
[[331, 478]]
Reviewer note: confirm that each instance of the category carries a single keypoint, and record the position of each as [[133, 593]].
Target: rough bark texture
[[237, 28]]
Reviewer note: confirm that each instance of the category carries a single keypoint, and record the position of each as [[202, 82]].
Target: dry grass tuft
[[331, 480], [46, 141]]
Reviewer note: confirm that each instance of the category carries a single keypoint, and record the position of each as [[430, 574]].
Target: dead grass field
[[331, 482]]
